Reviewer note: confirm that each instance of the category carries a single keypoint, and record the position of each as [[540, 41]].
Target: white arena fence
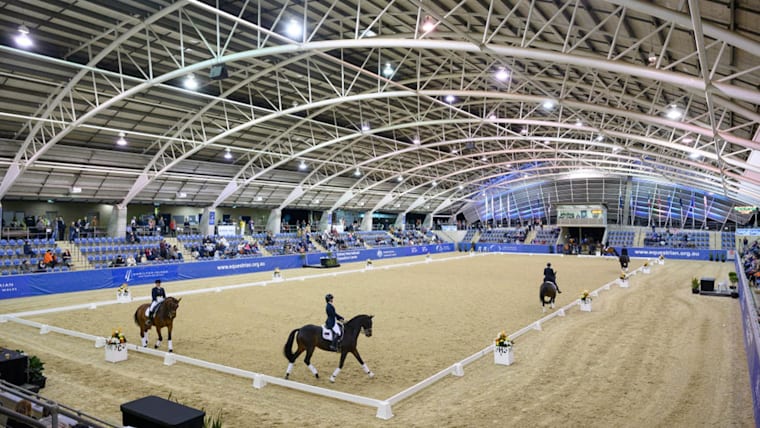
[[384, 407]]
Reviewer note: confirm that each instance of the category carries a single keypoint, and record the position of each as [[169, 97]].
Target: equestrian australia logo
[[128, 275]]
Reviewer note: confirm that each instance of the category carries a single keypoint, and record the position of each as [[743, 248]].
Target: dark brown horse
[[164, 317], [548, 293], [309, 337]]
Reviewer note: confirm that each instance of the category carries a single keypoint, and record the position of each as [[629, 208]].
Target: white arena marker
[[218, 290], [3, 318], [594, 293], [169, 359], [537, 326], [384, 411], [561, 313], [458, 370], [93, 306], [45, 329], [258, 381]]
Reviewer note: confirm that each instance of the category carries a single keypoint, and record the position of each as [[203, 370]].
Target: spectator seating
[[728, 240]]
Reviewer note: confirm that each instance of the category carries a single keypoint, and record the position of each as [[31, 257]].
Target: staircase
[[78, 262]]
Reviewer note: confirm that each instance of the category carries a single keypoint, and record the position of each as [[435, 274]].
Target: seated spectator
[[28, 248], [23, 407], [41, 266], [131, 260], [26, 267], [66, 258], [49, 259], [119, 261]]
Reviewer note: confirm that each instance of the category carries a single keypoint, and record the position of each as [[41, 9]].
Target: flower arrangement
[[369, 262], [276, 273], [646, 264], [623, 276], [662, 257], [123, 289], [585, 296], [503, 340], [117, 337]]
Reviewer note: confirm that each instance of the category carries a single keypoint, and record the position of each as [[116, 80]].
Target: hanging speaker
[[218, 72]]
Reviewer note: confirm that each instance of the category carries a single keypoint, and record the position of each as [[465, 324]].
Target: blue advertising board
[[12, 286]]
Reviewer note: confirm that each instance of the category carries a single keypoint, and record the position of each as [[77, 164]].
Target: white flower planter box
[[586, 305], [661, 261], [503, 355], [623, 283], [276, 277], [368, 266], [646, 269], [124, 297], [116, 352]]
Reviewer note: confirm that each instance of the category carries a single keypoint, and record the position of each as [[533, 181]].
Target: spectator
[[49, 259], [66, 257], [28, 248], [23, 407], [131, 260], [41, 266], [119, 261]]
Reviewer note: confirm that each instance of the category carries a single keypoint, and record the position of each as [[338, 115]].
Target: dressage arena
[[652, 354]]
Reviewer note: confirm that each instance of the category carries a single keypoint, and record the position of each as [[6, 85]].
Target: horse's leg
[[364, 366], [299, 351], [169, 337], [143, 336], [160, 338], [307, 360], [343, 354]]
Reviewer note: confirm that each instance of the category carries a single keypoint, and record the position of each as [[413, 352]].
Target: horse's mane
[[356, 318]]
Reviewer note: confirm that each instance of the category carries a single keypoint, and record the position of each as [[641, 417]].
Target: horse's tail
[[288, 349], [137, 321]]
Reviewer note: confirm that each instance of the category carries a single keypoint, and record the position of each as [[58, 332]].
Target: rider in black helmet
[[551, 276], [330, 324]]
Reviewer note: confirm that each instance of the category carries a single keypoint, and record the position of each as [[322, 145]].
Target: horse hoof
[[332, 379], [316, 375], [371, 375], [171, 350], [287, 375], [155, 347]]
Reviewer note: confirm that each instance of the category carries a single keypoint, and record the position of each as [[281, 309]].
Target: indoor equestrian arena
[[649, 354]]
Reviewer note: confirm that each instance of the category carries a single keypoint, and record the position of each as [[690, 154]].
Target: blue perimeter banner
[[751, 338], [64, 282]]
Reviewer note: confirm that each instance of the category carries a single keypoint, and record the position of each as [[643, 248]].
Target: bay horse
[[624, 259], [309, 337], [164, 317], [548, 293]]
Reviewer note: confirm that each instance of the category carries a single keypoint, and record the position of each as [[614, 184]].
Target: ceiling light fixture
[[674, 113], [365, 126], [22, 38], [357, 172], [502, 74], [578, 123], [302, 166], [293, 29], [548, 104], [400, 179], [190, 82], [461, 187], [428, 25], [388, 70], [121, 141], [450, 99], [416, 140], [227, 153], [492, 117]]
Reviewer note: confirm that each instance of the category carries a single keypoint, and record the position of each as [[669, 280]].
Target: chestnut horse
[[548, 293], [164, 317], [310, 337]]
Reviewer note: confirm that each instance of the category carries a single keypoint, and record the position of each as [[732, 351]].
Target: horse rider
[[158, 294], [330, 324], [551, 276]]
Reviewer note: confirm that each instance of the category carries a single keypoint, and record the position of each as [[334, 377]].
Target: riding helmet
[[548, 265], [328, 297]]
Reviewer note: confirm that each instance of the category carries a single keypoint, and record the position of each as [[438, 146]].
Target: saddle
[[327, 333]]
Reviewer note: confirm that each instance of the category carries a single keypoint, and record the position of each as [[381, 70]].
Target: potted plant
[[502, 352], [723, 257], [733, 279], [695, 285], [711, 256], [34, 372]]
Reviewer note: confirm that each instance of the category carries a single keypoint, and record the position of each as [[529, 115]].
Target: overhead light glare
[[293, 29], [302, 165], [502, 74], [227, 153], [428, 25], [181, 194], [75, 189], [357, 172], [258, 199], [674, 113], [22, 38], [365, 126], [190, 82], [450, 99], [399, 178], [548, 104], [416, 140]]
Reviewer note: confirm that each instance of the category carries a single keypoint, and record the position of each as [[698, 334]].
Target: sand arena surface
[[650, 355]]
